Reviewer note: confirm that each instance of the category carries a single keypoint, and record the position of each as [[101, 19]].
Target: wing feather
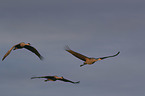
[[8, 53], [109, 56], [66, 80], [43, 77], [78, 55], [32, 49]]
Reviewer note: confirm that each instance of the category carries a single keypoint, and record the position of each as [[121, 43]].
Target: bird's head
[[29, 44], [62, 77]]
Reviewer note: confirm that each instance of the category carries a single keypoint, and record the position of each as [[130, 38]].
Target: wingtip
[[3, 59], [77, 82], [67, 47], [118, 52], [41, 58], [32, 77]]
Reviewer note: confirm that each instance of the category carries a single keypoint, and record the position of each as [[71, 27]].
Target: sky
[[95, 28]]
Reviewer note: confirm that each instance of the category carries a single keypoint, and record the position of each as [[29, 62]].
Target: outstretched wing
[[32, 49], [8, 53], [35, 77], [109, 56], [42, 77], [65, 80], [78, 55]]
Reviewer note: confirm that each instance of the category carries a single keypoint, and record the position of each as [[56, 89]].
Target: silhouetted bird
[[85, 58], [54, 78], [23, 45]]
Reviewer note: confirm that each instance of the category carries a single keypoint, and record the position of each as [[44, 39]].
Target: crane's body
[[23, 45], [87, 60], [54, 78]]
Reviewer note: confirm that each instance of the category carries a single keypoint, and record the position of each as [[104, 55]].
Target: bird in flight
[[87, 60], [54, 78], [23, 45]]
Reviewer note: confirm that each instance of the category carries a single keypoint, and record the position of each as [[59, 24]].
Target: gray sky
[[95, 28]]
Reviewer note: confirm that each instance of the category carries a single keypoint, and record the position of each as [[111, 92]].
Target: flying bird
[[23, 45], [54, 78], [87, 60]]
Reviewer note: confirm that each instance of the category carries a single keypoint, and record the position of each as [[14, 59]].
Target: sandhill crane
[[87, 60], [54, 78], [23, 45]]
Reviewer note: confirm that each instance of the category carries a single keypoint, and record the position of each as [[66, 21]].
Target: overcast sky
[[95, 28]]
